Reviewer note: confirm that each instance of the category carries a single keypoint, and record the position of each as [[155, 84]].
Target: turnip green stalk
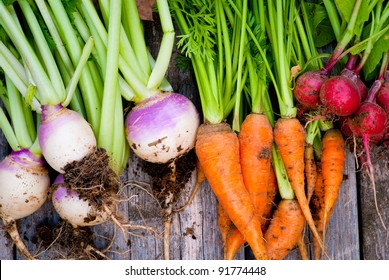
[[50, 92], [24, 176], [162, 126]]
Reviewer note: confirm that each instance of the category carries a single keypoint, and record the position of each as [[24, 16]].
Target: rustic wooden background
[[355, 231]]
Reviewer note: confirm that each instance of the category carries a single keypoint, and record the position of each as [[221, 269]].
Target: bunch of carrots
[[248, 151]]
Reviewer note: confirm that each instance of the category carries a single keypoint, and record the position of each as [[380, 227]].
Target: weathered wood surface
[[194, 231], [375, 238]]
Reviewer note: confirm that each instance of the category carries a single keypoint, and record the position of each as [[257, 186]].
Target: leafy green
[[372, 64], [346, 8], [202, 29]]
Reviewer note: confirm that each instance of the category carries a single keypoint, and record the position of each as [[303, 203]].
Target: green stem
[[17, 115], [8, 132], [14, 61], [283, 183], [39, 75], [35, 148], [70, 89], [236, 119], [76, 103], [344, 40], [312, 131], [51, 26], [225, 64], [333, 16], [136, 35], [166, 48], [87, 85], [106, 136], [44, 51]]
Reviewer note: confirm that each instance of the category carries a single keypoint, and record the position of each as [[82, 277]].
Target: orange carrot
[[310, 178], [284, 229], [289, 136], [217, 148], [310, 170], [255, 142], [224, 223], [332, 164], [232, 239], [272, 191], [317, 209], [302, 246]]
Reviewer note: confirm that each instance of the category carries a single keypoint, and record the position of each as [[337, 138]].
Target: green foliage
[[323, 33], [373, 62], [346, 8], [202, 29]]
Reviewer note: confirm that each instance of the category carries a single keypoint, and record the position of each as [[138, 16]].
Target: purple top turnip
[[24, 184], [162, 127]]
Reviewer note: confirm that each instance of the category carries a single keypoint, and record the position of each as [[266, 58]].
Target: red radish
[[307, 88], [340, 95], [383, 94], [346, 126], [362, 89], [370, 119]]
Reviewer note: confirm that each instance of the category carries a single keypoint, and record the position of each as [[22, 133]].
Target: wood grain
[[374, 236]]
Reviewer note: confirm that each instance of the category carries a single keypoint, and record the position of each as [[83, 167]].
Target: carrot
[[332, 164], [224, 224], [310, 178], [289, 136], [284, 229], [234, 239], [310, 170], [317, 207], [272, 191], [255, 142], [217, 148]]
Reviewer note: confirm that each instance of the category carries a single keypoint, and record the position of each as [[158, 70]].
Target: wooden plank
[[375, 245]]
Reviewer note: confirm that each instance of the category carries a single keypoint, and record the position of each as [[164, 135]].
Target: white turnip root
[[64, 136], [74, 209], [24, 184], [163, 127]]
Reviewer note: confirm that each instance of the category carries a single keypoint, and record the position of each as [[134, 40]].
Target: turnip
[[63, 144], [24, 184], [162, 125], [24, 176], [67, 138], [73, 208]]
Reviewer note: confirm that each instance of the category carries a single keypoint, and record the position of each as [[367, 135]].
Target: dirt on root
[[93, 179], [67, 242], [170, 178]]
